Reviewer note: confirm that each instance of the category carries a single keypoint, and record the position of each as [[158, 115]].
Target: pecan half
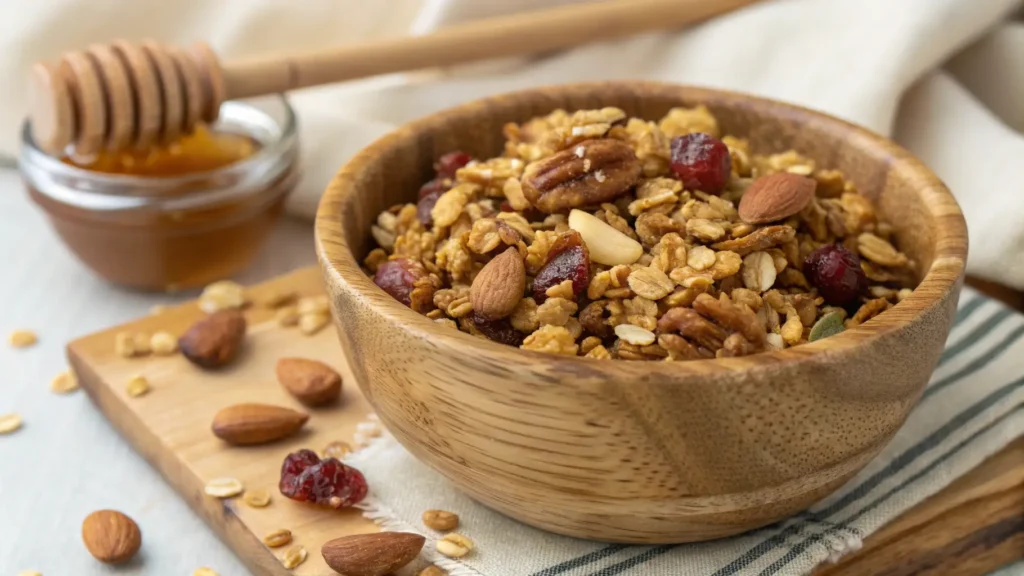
[[687, 322], [733, 317], [760, 239], [592, 172]]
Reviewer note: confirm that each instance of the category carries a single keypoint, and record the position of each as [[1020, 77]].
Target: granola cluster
[[604, 236]]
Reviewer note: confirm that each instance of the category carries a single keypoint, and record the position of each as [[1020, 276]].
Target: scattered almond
[[259, 498], [310, 324], [372, 554], [607, 245], [775, 197], [293, 557], [337, 449], [245, 424], [163, 343], [278, 538], [440, 520], [64, 383], [22, 338], [223, 487], [137, 386], [498, 287], [223, 295], [431, 571], [9, 423], [110, 536], [312, 382], [287, 316], [215, 340], [454, 545]]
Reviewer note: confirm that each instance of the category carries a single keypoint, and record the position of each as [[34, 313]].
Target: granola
[[640, 241]]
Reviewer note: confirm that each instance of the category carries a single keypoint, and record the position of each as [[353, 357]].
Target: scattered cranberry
[[435, 185], [447, 165], [568, 259], [836, 273], [500, 331], [701, 161], [425, 206], [396, 277], [328, 482]]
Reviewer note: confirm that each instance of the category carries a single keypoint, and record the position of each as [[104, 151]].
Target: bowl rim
[[943, 276]]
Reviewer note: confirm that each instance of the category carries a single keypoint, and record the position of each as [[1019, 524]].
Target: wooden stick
[[519, 34]]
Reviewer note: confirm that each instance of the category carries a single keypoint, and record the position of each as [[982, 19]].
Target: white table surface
[[67, 460]]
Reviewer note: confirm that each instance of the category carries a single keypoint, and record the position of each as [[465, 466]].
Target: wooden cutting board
[[972, 527]]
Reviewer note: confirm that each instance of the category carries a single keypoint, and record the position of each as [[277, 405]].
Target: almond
[[313, 383], [214, 341], [498, 288], [776, 197], [110, 536], [244, 424], [372, 554]]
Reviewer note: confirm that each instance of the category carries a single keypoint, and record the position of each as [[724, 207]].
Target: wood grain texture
[[167, 442], [642, 451]]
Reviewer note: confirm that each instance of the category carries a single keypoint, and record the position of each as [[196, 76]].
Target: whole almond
[[372, 554], [775, 197], [245, 424], [313, 383], [110, 536], [214, 341], [498, 288]]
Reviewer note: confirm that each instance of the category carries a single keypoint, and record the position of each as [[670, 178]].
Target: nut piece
[[246, 424], [137, 386], [775, 197], [110, 536], [372, 554], [223, 487], [278, 538], [312, 382], [22, 338], [498, 288], [9, 423], [454, 545], [64, 383], [163, 343], [293, 557], [758, 271], [607, 245], [634, 334], [223, 295], [259, 498], [440, 520], [593, 172], [214, 341]]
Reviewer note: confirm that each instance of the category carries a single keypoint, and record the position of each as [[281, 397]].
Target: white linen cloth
[[943, 77]]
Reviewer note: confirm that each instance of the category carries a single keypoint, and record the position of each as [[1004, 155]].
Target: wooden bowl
[[645, 452]]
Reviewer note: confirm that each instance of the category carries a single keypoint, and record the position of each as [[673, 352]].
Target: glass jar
[[169, 233]]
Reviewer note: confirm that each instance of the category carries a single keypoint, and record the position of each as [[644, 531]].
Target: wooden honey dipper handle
[[124, 94]]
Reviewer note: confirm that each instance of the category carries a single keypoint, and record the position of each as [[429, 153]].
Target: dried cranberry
[[500, 331], [328, 482], [435, 185], [425, 206], [836, 273], [396, 277], [572, 263], [701, 161], [447, 165]]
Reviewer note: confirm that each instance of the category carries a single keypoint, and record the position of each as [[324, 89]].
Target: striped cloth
[[970, 410]]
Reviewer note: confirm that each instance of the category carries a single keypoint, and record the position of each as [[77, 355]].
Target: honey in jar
[[179, 215]]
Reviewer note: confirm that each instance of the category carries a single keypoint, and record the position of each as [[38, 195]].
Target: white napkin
[[972, 408]]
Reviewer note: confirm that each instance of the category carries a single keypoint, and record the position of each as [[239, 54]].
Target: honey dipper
[[123, 94]]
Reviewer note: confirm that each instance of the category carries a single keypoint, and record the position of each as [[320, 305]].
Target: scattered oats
[[431, 571], [440, 520], [599, 176], [22, 338], [310, 324], [140, 342], [124, 344], [223, 295], [287, 316], [9, 423], [279, 298], [758, 271], [163, 343], [204, 571], [577, 130], [454, 545], [64, 383], [903, 294], [278, 538], [314, 305], [337, 449], [137, 386], [700, 258], [293, 557], [368, 429], [259, 498], [634, 334], [223, 487]]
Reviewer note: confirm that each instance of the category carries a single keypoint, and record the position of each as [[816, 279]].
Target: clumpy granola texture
[[609, 237]]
